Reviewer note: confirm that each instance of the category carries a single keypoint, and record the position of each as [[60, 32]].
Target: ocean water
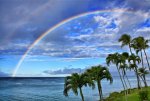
[[51, 89]]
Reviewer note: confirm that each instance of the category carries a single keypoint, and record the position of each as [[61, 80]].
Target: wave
[[18, 83]]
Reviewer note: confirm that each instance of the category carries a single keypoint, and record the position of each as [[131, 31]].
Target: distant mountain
[[2, 74]]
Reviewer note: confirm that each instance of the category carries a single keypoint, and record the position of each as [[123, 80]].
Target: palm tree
[[146, 46], [137, 44], [124, 66], [133, 61], [126, 40], [143, 72], [98, 73], [77, 81], [140, 44], [114, 59]]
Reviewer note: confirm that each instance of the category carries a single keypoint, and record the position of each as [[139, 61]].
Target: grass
[[133, 96]]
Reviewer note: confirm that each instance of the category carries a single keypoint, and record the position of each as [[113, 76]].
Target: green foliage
[[143, 71], [140, 43], [133, 96], [125, 39], [123, 61], [143, 95], [77, 81], [98, 73]]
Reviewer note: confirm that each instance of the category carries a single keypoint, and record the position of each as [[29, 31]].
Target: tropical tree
[[146, 46], [141, 44], [115, 59], [133, 61], [98, 73], [77, 81], [126, 41], [124, 66], [143, 72], [137, 44]]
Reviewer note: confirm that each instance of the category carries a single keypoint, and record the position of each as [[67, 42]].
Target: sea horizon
[[102, 45], [51, 89]]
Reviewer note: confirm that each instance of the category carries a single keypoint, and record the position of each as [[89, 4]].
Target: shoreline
[[119, 96]]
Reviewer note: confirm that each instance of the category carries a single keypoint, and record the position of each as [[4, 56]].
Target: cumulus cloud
[[100, 42], [30, 21], [69, 71], [128, 23], [89, 36], [64, 71], [103, 21], [138, 5]]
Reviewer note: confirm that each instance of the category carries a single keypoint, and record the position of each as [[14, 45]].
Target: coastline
[[132, 96]]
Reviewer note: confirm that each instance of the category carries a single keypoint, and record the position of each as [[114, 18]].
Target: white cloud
[[103, 21], [98, 42], [64, 71], [144, 29]]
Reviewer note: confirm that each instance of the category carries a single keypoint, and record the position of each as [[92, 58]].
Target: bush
[[114, 94], [143, 95]]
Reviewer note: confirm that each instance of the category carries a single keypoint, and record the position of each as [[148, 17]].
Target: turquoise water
[[50, 89]]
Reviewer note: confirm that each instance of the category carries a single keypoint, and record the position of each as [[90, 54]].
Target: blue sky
[[73, 46]]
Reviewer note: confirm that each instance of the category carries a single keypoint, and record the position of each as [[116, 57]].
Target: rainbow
[[56, 26]]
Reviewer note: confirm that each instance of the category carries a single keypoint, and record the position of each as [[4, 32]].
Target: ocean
[[51, 89]]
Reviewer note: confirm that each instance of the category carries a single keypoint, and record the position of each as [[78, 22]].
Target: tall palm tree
[[126, 40], [98, 73], [124, 66], [77, 81], [133, 61], [114, 59], [146, 46], [143, 72], [138, 45]]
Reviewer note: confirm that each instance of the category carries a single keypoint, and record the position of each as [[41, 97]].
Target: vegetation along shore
[[135, 60]]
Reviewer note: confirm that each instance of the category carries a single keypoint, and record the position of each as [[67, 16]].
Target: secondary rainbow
[[53, 28]]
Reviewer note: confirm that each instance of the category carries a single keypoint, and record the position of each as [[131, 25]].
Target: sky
[[84, 33]]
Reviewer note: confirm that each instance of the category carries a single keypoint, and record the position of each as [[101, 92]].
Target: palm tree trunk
[[145, 83], [99, 90], [125, 82], [142, 79], [81, 94], [128, 82], [122, 83], [130, 48], [147, 59], [142, 59], [138, 79]]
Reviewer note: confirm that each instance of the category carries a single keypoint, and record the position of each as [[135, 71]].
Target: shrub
[[143, 95]]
